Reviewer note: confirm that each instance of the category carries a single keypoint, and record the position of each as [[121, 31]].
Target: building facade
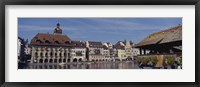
[[78, 51], [59, 48], [50, 48], [106, 53], [120, 51], [125, 50], [128, 48], [95, 51]]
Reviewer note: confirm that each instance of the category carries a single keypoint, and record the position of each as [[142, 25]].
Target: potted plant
[[154, 61], [171, 61]]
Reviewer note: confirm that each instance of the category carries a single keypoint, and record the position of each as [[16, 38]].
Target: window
[[55, 54], [64, 54], [41, 54], [36, 54], [60, 54], [56, 42], [46, 54], [38, 41], [51, 54]]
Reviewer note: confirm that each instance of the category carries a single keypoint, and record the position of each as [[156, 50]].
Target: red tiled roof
[[50, 39]]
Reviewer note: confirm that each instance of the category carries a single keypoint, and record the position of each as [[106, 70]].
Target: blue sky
[[97, 29]]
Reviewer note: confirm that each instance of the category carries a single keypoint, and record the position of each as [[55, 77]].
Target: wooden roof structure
[[173, 34]]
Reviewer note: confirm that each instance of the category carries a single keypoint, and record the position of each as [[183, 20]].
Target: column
[[140, 51]]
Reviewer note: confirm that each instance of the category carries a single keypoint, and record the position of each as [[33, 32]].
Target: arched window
[[36, 54], [40, 53], [64, 54], [41, 61], [55, 61], [60, 54], [60, 60], [68, 60], [64, 60], [55, 54], [51, 61], [38, 41], [51, 54], [46, 60], [46, 54]]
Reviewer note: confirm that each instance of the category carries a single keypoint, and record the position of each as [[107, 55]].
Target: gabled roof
[[105, 47], [169, 35], [119, 45]]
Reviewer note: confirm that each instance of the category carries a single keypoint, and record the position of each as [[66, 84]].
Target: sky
[[97, 29]]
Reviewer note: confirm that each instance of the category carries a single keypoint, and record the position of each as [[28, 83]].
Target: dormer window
[[67, 42], [38, 41], [56, 42]]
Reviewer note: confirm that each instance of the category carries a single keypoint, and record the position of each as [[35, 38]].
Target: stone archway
[[75, 60]]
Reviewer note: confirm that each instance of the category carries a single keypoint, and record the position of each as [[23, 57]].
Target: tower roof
[[58, 30]]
